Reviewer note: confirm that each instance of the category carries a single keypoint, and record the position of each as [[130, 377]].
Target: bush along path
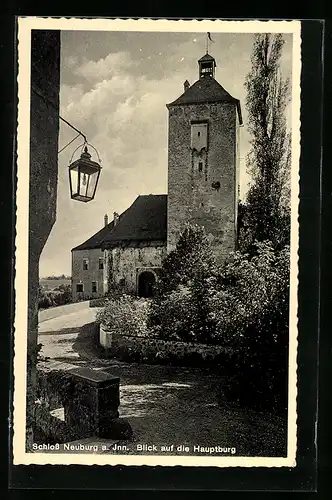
[[165, 405]]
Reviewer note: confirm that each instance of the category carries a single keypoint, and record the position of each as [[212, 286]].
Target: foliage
[[51, 298], [117, 289], [125, 316], [191, 259], [61, 277], [188, 277], [243, 305], [53, 388], [265, 216], [249, 290], [99, 302], [252, 314]]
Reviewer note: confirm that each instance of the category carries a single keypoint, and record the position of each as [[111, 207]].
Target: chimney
[[105, 219], [116, 218], [186, 85]]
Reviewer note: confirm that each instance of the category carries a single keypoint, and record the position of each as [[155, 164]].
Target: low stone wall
[[99, 302], [156, 351], [78, 403], [55, 312]]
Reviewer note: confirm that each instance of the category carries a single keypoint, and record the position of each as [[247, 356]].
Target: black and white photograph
[[157, 242]]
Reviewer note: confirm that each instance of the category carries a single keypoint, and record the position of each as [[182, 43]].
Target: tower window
[[200, 166], [199, 135], [101, 263], [85, 264], [94, 286]]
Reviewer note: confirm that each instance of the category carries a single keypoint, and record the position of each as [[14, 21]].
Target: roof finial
[[208, 38]]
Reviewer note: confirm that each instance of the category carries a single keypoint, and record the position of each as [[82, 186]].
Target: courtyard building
[[203, 186]]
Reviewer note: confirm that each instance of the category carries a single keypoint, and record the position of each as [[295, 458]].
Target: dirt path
[[165, 405]]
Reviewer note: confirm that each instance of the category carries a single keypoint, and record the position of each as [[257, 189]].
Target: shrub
[[180, 310], [249, 291], [99, 302], [125, 315], [243, 304], [251, 312], [51, 298], [192, 259]]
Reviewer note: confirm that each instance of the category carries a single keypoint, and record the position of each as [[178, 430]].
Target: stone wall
[[156, 351], [126, 263], [87, 276], [44, 131], [208, 196]]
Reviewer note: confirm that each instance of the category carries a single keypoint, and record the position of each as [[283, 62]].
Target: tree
[[187, 280], [191, 259], [266, 214]]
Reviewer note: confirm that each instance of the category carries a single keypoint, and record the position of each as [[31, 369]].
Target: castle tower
[[203, 172]]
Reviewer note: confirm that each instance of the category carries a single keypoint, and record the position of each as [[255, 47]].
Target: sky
[[114, 88]]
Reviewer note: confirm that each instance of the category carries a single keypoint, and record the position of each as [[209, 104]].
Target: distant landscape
[[52, 282]]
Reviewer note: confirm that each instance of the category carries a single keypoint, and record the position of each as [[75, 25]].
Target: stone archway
[[146, 284]]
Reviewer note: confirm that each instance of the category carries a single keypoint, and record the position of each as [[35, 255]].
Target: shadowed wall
[[44, 131]]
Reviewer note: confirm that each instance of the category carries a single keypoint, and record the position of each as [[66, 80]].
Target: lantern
[[83, 177]]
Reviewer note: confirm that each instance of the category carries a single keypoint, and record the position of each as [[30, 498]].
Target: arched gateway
[[146, 284]]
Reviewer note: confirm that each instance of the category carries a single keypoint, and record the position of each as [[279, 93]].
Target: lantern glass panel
[[84, 177], [74, 181], [89, 183]]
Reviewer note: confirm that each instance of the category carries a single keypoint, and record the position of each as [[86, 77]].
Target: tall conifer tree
[[266, 214]]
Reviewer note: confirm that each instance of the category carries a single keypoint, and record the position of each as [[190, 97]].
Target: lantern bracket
[[85, 143]]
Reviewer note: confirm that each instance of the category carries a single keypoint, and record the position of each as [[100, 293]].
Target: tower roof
[[206, 90], [207, 58]]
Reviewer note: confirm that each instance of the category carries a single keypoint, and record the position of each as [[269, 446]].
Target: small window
[[200, 166], [85, 264], [101, 263], [94, 287], [199, 135], [79, 288]]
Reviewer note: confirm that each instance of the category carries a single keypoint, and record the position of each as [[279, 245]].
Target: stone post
[[91, 408]]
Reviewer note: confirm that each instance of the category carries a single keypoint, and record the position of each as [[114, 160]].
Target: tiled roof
[[96, 239], [206, 89], [144, 220]]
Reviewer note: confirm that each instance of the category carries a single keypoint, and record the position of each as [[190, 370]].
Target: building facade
[[203, 172], [126, 254], [203, 185], [88, 273]]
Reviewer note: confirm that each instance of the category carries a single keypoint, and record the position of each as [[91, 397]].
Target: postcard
[[157, 242]]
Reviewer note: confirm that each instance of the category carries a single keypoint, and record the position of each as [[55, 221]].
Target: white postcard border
[[25, 25]]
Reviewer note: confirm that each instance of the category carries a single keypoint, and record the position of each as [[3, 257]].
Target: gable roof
[[144, 220], [95, 240], [206, 89]]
